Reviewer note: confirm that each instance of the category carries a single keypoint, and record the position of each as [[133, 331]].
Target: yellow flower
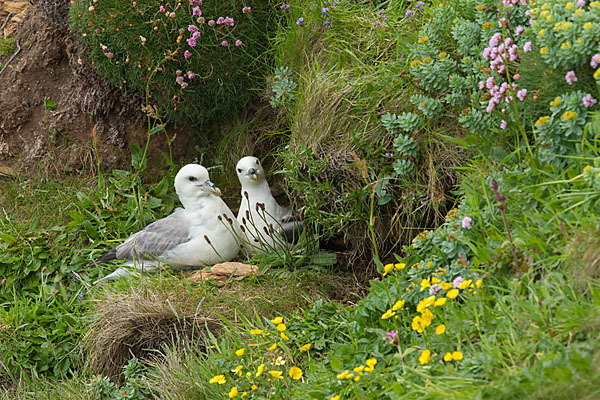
[[452, 294], [558, 26], [276, 374], [240, 352], [388, 314], [579, 12], [426, 302], [597, 74], [465, 284], [415, 63], [305, 347], [457, 355], [336, 397], [555, 102], [281, 327], [244, 394], [425, 283], [273, 347], [569, 5], [423, 39], [443, 54], [220, 379], [427, 60], [567, 25], [587, 25], [569, 115], [565, 46], [487, 25], [435, 280], [256, 332], [418, 324], [277, 320], [260, 370], [544, 50], [595, 4], [399, 266], [549, 18], [441, 5], [448, 357], [398, 305], [425, 357], [542, 120], [440, 302], [343, 375], [237, 370], [542, 32], [295, 373], [440, 329], [427, 316], [371, 362], [478, 283], [233, 392], [359, 369], [357, 378], [587, 169], [446, 285], [387, 269], [428, 264], [284, 336], [480, 7], [253, 387]]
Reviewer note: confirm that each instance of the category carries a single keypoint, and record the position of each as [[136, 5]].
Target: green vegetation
[[7, 46], [454, 145]]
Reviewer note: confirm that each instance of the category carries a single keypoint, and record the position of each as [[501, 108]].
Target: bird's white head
[[249, 171], [192, 182]]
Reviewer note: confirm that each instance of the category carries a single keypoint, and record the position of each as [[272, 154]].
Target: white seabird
[[266, 225], [203, 232]]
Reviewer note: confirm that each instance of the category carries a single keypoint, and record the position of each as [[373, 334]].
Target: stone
[[224, 271]]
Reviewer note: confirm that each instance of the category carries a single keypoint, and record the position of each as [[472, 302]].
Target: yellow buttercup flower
[[448, 357], [398, 305], [544, 50], [295, 373], [418, 324], [427, 60], [276, 374], [457, 356], [260, 370], [569, 5], [306, 347], [440, 302], [415, 63], [256, 332], [597, 74], [277, 320], [388, 314], [371, 362], [240, 352], [452, 294], [478, 283], [425, 357], [542, 32], [284, 336], [595, 4], [446, 285], [425, 283], [281, 327], [336, 397], [565, 46], [357, 378], [567, 25], [399, 266], [343, 375], [465, 284], [435, 279], [542, 120], [220, 379], [569, 115], [233, 392], [545, 6], [555, 102], [587, 25], [578, 12], [440, 329], [237, 370], [423, 39], [387, 269], [253, 387], [359, 369], [273, 347]]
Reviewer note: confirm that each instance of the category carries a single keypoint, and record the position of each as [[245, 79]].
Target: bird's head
[[249, 171], [192, 181]]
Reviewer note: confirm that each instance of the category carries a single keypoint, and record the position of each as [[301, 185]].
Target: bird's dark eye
[[192, 178], [257, 162], [240, 170]]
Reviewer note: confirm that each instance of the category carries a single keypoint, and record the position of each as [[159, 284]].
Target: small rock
[[225, 270]]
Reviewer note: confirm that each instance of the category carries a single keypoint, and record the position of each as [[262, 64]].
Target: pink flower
[[196, 11], [187, 54], [246, 10], [466, 222], [178, 72], [162, 9], [459, 279], [595, 60], [503, 126], [224, 43], [184, 85], [179, 79], [192, 28], [238, 43], [580, 3], [527, 47], [521, 94], [109, 55], [570, 77], [519, 30], [191, 75], [192, 42], [91, 8], [172, 15], [211, 22], [588, 100], [196, 35]]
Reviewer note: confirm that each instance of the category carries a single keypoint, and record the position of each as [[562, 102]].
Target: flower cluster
[[359, 371]]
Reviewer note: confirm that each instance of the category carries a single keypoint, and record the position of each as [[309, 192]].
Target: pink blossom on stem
[[224, 43], [238, 43], [588, 100], [570, 77], [184, 85], [196, 11], [519, 30], [595, 60], [521, 94], [503, 126], [580, 3], [527, 47], [162, 9], [187, 54]]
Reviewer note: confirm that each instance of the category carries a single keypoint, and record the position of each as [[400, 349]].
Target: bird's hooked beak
[[210, 187], [252, 174]]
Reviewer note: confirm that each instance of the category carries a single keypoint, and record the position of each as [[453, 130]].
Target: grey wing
[[157, 238]]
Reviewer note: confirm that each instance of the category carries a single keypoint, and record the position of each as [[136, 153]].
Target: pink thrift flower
[[486, 52], [187, 54], [588, 100], [192, 28], [220, 21], [224, 43], [109, 55], [196, 35], [91, 8], [246, 10], [570, 77], [191, 75], [211, 22], [459, 279], [196, 11], [192, 42], [503, 126], [580, 3], [595, 60], [179, 79], [162, 9], [521, 94], [527, 47], [184, 85], [172, 15], [238, 43], [178, 72], [519, 30]]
